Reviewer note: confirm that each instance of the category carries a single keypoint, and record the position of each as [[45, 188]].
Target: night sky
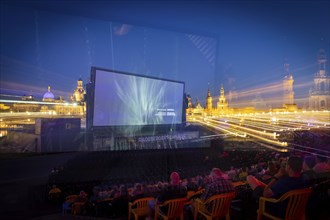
[[241, 45]]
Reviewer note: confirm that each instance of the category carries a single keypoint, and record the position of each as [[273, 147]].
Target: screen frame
[[91, 99]]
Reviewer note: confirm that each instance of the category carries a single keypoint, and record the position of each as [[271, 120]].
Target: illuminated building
[[222, 105], [190, 106], [49, 104], [198, 109], [4, 107], [288, 94], [319, 97], [48, 96], [79, 93], [208, 109]]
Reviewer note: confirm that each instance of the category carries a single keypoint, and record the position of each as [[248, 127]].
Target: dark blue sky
[[241, 45]]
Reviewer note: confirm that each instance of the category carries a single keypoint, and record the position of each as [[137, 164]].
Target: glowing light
[[258, 126]]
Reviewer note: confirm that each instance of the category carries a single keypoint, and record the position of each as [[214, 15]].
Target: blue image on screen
[[125, 100]]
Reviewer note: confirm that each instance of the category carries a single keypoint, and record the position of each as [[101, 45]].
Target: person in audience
[[119, 203], [54, 194], [54, 190], [216, 185], [95, 197], [158, 188], [192, 185], [308, 173], [232, 173], [82, 197], [172, 191], [270, 172], [137, 192], [321, 166], [286, 179], [243, 174]]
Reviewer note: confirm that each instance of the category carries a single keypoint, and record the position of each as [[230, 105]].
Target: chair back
[[174, 208], [139, 207], [218, 205], [190, 193], [71, 198], [297, 200]]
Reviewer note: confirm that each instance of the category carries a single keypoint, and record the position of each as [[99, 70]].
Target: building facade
[[288, 93], [319, 96]]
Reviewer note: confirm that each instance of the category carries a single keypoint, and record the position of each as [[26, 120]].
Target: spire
[[48, 88], [286, 67], [208, 99], [322, 61], [208, 90], [222, 104]]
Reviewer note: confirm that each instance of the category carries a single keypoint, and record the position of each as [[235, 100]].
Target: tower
[[209, 101], [189, 101], [189, 106], [222, 104], [79, 92], [319, 97], [288, 93]]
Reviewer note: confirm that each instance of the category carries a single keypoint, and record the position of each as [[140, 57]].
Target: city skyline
[[240, 45]]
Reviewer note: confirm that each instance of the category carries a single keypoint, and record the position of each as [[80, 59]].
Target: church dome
[[48, 95]]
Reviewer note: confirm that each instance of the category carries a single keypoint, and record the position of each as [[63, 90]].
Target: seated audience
[[54, 190], [232, 173], [308, 173], [192, 185], [270, 172], [82, 197], [321, 166], [217, 184], [286, 179], [54, 194], [172, 191], [137, 192], [243, 174], [118, 206]]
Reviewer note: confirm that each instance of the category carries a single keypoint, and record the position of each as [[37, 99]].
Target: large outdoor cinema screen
[[122, 99]]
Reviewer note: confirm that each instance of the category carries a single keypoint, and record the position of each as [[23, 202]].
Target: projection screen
[[124, 99]]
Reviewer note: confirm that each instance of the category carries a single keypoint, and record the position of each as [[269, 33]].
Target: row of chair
[[213, 208], [218, 206]]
